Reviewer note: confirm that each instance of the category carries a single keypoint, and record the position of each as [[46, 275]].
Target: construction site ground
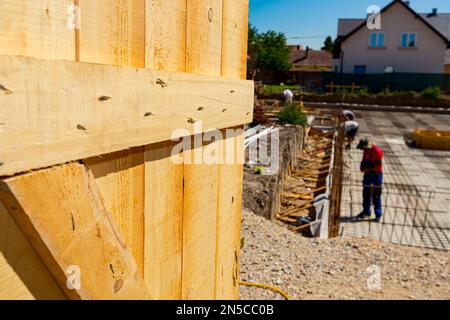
[[336, 269], [409, 247], [416, 191]]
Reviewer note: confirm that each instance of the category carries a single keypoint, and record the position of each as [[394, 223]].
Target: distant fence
[[317, 81]]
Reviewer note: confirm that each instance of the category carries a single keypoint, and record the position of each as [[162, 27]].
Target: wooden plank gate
[[92, 203]]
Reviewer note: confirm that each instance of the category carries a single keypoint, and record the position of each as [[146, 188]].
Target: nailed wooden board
[[37, 28], [234, 38], [163, 222], [112, 32], [166, 35], [52, 113], [166, 50], [62, 213], [229, 216], [23, 276], [204, 37], [120, 178], [199, 227]]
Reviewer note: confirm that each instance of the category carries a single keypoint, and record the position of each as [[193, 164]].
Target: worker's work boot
[[377, 219], [363, 216]]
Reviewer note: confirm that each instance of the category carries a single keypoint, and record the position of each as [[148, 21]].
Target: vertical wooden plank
[[166, 50], [61, 212], [166, 35], [163, 222], [120, 178], [199, 226], [112, 32], [229, 212], [40, 29], [234, 39], [37, 28], [203, 56], [204, 37], [23, 276]]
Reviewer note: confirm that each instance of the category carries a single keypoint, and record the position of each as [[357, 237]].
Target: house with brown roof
[[310, 60], [407, 42]]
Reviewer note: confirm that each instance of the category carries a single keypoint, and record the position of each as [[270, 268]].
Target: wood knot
[[210, 14], [104, 98], [200, 109], [82, 128], [191, 120], [162, 83], [148, 114], [5, 90], [118, 285], [224, 110]]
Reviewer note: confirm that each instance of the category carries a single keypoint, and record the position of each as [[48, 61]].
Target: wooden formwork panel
[[178, 224]]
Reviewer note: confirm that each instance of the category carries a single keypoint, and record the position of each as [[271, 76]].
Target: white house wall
[[428, 57]]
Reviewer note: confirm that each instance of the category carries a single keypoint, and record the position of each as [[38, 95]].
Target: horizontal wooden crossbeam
[[53, 112]]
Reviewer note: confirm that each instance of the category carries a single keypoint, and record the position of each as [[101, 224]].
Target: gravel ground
[[336, 269]]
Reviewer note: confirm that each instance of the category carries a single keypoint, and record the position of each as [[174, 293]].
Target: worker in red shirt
[[372, 167]]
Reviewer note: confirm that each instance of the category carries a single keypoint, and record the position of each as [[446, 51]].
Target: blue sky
[[314, 20]]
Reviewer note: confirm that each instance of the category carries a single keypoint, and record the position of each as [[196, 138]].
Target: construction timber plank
[[229, 216], [120, 178], [166, 50], [61, 211], [204, 37], [234, 38], [229, 207], [166, 35], [58, 111], [37, 28], [23, 276], [203, 56], [112, 32], [163, 222], [199, 227]]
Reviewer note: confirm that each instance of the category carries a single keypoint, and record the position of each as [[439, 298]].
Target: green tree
[[272, 52], [328, 45]]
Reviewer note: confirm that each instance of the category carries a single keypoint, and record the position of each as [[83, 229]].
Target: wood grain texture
[[229, 216], [163, 222], [112, 32], [166, 35], [23, 276], [234, 38], [120, 178], [203, 56], [62, 213], [229, 212], [36, 28], [199, 227], [166, 50], [58, 111], [204, 37]]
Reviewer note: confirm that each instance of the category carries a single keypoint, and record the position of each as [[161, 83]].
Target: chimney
[[433, 13]]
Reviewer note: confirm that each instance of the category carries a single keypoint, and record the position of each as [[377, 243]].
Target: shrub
[[431, 93], [291, 114]]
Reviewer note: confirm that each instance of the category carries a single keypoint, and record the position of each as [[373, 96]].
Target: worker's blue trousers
[[372, 190]]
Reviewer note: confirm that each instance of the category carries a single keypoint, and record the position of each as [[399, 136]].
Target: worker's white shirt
[[351, 125], [289, 95]]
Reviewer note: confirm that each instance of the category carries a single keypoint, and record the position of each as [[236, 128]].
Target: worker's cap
[[363, 144]]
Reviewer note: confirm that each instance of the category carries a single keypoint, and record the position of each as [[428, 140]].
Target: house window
[[377, 40], [389, 69], [409, 40], [360, 69]]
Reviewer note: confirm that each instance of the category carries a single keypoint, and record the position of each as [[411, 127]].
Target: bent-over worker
[[351, 130]]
